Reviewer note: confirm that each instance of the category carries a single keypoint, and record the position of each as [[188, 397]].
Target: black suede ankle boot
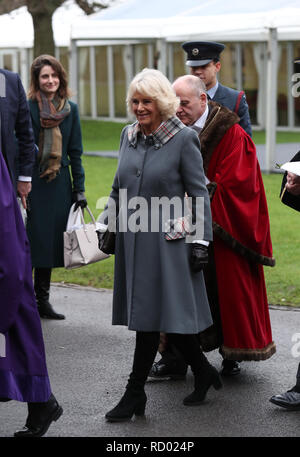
[[203, 381], [132, 402], [42, 277]]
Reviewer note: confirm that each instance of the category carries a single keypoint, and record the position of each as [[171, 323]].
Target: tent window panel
[[140, 57], [282, 87], [227, 74], [179, 58], [64, 58], [119, 61], [102, 81], [250, 80], [297, 70], [84, 82], [7, 62]]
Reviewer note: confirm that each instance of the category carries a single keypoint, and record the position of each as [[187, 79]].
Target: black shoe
[[209, 377], [230, 368], [132, 402], [39, 418], [166, 370], [47, 312], [289, 400]]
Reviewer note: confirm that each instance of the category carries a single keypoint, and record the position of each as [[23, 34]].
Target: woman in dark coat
[[23, 370], [57, 132], [159, 285]]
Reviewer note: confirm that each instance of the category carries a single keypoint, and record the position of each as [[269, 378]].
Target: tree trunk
[[43, 35]]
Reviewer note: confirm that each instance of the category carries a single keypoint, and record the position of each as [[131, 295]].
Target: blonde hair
[[153, 84]]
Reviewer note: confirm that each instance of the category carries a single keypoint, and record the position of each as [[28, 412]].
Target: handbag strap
[[90, 213]]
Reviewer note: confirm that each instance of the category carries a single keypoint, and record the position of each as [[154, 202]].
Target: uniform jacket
[[50, 202], [228, 97], [154, 287], [17, 141]]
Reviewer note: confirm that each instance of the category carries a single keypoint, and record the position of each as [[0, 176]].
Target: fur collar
[[218, 121]]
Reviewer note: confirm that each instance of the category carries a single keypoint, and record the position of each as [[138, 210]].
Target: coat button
[[138, 173]]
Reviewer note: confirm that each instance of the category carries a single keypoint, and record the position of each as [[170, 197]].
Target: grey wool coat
[[154, 287]]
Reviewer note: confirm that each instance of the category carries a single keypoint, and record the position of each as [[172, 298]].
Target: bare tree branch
[[42, 12], [6, 6], [91, 7], [43, 7]]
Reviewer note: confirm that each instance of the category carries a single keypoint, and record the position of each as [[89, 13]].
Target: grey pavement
[[283, 153], [89, 361]]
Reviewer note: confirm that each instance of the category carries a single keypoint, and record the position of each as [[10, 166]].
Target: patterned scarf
[[162, 134], [52, 113]]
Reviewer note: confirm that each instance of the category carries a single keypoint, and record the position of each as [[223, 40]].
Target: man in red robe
[[242, 243]]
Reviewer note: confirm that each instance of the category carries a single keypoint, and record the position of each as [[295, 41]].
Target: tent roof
[[178, 20]]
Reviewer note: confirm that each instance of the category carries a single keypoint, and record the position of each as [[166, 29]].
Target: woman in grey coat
[[158, 284]]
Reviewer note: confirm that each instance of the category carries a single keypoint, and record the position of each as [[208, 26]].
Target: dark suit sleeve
[[24, 134], [75, 150], [293, 201], [243, 113]]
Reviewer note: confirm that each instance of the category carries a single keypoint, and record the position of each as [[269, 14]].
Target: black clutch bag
[[106, 241]]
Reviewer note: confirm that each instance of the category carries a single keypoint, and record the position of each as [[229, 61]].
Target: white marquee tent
[[176, 20], [165, 22]]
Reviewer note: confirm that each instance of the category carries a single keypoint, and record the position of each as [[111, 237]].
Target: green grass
[[283, 286], [259, 137], [105, 135], [101, 135], [282, 281]]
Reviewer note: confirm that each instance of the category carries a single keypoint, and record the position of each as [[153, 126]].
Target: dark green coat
[[49, 203]]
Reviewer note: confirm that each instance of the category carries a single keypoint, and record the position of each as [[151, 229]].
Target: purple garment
[[23, 370]]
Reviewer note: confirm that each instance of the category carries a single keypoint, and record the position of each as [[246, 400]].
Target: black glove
[[100, 236], [106, 241], [199, 257], [79, 199]]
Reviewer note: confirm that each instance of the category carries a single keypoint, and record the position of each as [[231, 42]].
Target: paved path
[[89, 361]]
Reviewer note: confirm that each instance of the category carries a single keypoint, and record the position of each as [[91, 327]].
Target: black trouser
[[146, 349], [42, 279]]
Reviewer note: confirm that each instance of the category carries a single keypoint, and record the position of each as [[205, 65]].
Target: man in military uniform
[[203, 58]]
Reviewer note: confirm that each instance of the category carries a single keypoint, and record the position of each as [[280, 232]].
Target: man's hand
[[23, 188], [293, 183]]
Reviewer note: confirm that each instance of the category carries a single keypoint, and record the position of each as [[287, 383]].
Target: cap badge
[[195, 51]]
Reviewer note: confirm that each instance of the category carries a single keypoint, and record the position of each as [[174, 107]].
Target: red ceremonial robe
[[242, 244]]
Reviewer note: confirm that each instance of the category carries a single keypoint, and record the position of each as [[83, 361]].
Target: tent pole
[[74, 71], [271, 112]]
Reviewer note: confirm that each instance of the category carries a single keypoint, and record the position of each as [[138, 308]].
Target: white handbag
[[81, 241]]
